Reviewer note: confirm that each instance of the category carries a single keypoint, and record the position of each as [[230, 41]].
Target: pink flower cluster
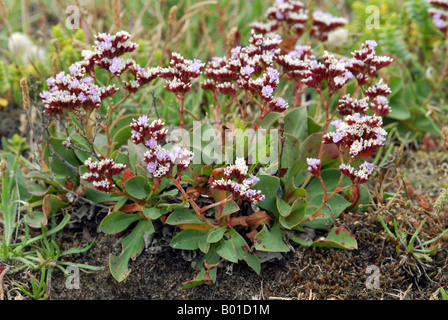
[[180, 73], [366, 63], [237, 183], [78, 89], [439, 15], [101, 173], [358, 132], [159, 161], [249, 68], [332, 70], [360, 175], [74, 90], [360, 135], [296, 63], [293, 16]]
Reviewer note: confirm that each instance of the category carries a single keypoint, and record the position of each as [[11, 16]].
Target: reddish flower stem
[[181, 100]]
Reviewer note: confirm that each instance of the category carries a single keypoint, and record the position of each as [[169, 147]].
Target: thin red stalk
[[197, 210], [224, 201], [181, 99], [218, 116], [243, 112]]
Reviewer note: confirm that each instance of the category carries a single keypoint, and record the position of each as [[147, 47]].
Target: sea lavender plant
[[292, 16]]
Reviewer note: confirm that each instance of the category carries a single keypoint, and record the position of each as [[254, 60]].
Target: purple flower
[[235, 51], [115, 64], [93, 91], [60, 75], [336, 122], [281, 102], [50, 81], [250, 193], [380, 137], [177, 150], [143, 120], [74, 83], [151, 167], [248, 70], [381, 99], [195, 65], [313, 162], [106, 44], [253, 178], [45, 94], [371, 43], [82, 97], [161, 155], [267, 91], [279, 15], [87, 80], [236, 188], [273, 74], [369, 165], [73, 69], [151, 143], [348, 75], [313, 166], [337, 137]]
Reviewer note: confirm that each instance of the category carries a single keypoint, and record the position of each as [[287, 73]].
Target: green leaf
[[152, 213], [291, 151], [215, 235], [116, 222], [121, 137], [283, 207], [100, 197], [311, 147], [182, 216], [297, 213], [338, 237], [399, 110], [52, 203], [242, 251], [226, 250], [204, 246], [187, 239], [56, 165], [296, 123], [229, 208], [123, 122], [35, 219], [268, 185], [137, 187], [132, 244], [335, 206], [271, 241]]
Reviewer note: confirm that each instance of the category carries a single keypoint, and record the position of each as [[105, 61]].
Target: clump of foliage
[[285, 146]]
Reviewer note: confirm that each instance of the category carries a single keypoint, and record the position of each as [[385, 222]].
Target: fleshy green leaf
[[182, 216], [132, 244], [270, 240], [215, 235], [116, 222], [268, 185], [338, 237], [187, 239], [152, 213], [137, 187]]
